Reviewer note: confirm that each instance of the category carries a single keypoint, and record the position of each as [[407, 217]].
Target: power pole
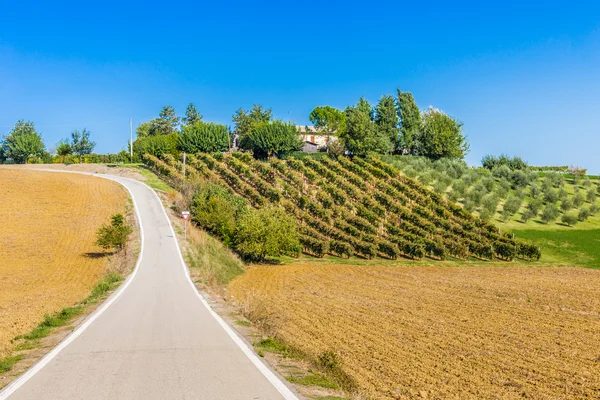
[[131, 139], [183, 166]]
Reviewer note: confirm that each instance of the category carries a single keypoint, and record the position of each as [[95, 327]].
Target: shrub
[[527, 215], [591, 195], [550, 213], [156, 145], [113, 235], [566, 204], [569, 219], [578, 200], [535, 205], [271, 138], [584, 214], [215, 209], [267, 232], [550, 196], [502, 172], [519, 179], [203, 137], [511, 206], [594, 209]]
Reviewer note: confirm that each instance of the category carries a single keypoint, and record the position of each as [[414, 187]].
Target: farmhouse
[[314, 139]]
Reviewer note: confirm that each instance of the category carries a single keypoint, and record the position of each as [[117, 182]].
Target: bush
[[535, 205], [215, 209], [204, 137], [519, 179], [549, 214], [594, 209], [268, 232], [527, 215], [113, 235], [566, 204], [271, 138], [502, 172], [551, 196], [578, 200], [511, 206], [591, 196], [584, 214], [569, 219], [156, 145]]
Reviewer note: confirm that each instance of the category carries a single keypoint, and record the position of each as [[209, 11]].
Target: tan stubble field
[[47, 256]]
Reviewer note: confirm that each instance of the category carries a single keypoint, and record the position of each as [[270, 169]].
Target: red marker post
[[185, 215]]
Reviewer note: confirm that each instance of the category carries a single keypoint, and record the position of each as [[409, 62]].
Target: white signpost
[[185, 215]]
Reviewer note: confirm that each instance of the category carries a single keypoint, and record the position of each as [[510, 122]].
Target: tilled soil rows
[[47, 230], [440, 332]]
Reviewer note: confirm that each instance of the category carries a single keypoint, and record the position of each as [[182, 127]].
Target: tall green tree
[[192, 115], [386, 119], [442, 136], [81, 143], [271, 138], [410, 123], [361, 135], [23, 142], [144, 129], [245, 121], [167, 115], [203, 137], [329, 120]]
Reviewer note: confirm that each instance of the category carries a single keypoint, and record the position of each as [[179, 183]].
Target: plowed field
[[47, 230], [441, 332]]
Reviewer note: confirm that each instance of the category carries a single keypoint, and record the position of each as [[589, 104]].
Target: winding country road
[[155, 338]]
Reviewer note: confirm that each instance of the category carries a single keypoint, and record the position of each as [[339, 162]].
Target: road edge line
[[30, 373], [285, 391]]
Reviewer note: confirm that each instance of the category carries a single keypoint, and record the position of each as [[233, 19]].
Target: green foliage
[[511, 206], [513, 163], [192, 116], [569, 219], [21, 143], [550, 213], [328, 120], [578, 200], [386, 119], [583, 214], [271, 138], [591, 195], [156, 145], [442, 136], [113, 235], [63, 149], [246, 121], [168, 121], [566, 205], [410, 123], [361, 135], [203, 137], [267, 232], [215, 209], [81, 144]]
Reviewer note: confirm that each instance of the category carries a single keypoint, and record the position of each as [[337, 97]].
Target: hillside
[[354, 207]]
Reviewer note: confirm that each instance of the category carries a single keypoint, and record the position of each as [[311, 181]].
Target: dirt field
[[47, 257], [440, 332]]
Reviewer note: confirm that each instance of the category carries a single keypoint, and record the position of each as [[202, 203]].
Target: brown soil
[[440, 332]]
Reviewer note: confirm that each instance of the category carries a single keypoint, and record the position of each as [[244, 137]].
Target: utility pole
[[131, 139], [183, 166]]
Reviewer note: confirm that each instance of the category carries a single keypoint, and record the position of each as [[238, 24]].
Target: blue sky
[[523, 78]]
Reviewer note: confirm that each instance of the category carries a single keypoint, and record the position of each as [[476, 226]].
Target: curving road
[[155, 338]]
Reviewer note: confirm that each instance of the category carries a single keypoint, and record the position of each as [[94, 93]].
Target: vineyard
[[353, 207]]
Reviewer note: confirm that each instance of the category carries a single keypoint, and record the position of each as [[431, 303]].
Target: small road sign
[[185, 215]]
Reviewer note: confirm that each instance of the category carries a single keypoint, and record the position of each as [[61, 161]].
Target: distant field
[[496, 332], [47, 257]]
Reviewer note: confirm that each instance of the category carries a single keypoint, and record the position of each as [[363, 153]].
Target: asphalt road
[[155, 338]]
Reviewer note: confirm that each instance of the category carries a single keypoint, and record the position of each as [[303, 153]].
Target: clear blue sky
[[524, 78]]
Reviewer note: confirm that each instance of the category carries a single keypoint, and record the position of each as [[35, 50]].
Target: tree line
[[24, 144], [395, 125]]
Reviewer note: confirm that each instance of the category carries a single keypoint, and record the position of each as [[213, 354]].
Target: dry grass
[[441, 332], [47, 257]]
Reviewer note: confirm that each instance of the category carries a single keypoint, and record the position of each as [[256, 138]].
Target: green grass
[[52, 321], [150, 178], [313, 380], [569, 246], [212, 261], [7, 363]]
